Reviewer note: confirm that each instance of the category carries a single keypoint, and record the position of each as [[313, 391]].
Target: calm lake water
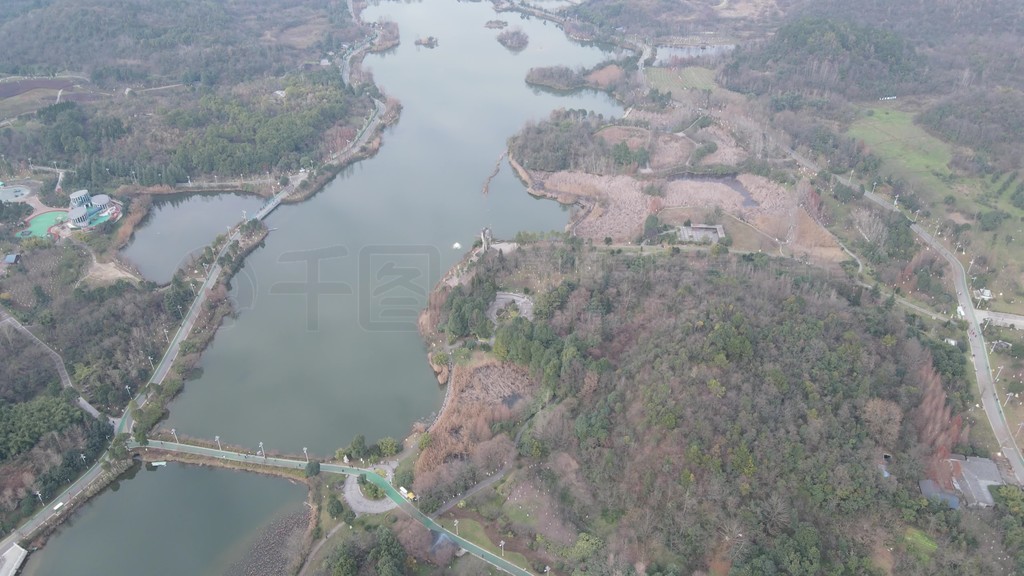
[[168, 521], [179, 225], [324, 346]]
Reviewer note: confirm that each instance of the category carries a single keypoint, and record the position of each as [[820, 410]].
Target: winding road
[[392, 493]]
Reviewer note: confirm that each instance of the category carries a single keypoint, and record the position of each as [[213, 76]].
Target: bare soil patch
[[526, 498], [728, 152], [815, 241], [632, 136], [670, 150], [303, 36], [605, 77], [107, 273]]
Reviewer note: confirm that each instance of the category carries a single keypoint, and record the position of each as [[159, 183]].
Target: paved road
[[979, 352], [1001, 318], [392, 492]]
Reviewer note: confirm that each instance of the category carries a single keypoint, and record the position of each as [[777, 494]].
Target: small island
[[429, 42], [496, 24], [515, 40]]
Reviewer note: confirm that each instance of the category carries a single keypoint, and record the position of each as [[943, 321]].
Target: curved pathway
[[380, 481]]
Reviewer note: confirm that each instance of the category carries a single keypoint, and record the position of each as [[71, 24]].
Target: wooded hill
[[826, 57], [237, 87], [729, 410]]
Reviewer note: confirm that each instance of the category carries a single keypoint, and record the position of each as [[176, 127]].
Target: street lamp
[[128, 390], [456, 527], [217, 440], [151, 365], [262, 452], [40, 496], [175, 434], [166, 338], [306, 452], [502, 545], [1008, 396], [1000, 371]]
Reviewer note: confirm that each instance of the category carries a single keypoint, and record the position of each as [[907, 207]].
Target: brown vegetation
[[480, 395]]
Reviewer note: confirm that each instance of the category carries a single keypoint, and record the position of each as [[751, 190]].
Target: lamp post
[[262, 452], [166, 338], [456, 526], [306, 452], [502, 545], [1008, 396], [175, 434], [998, 372], [151, 365], [217, 440]]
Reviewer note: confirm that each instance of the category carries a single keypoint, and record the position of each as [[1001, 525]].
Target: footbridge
[[261, 459]]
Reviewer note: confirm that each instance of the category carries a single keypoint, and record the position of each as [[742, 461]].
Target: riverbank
[[72, 502]]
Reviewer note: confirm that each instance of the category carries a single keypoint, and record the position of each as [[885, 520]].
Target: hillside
[[825, 57], [697, 413]]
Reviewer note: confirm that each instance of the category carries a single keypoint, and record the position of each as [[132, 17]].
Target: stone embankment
[[277, 550]]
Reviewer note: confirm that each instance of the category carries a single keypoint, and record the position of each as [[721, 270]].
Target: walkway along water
[[392, 493]]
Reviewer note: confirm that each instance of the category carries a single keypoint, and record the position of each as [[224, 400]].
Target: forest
[[730, 409], [210, 43], [827, 57], [182, 89]]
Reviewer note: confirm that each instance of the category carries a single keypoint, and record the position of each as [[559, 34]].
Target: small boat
[[160, 463], [456, 246]]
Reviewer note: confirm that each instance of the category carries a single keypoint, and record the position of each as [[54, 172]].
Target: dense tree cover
[[988, 121], [566, 141], [229, 137], [173, 41], [1010, 510], [27, 370], [21, 425], [215, 134], [466, 310], [557, 77], [826, 57], [737, 404], [105, 335], [563, 142], [378, 553]]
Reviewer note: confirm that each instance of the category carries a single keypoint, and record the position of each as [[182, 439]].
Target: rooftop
[[973, 476]]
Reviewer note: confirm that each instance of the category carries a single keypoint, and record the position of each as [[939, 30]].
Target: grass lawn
[[474, 532], [909, 152], [922, 160], [678, 80], [919, 544]]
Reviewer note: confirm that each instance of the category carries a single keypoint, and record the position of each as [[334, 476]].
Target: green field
[[679, 80], [909, 152], [919, 544], [922, 161]]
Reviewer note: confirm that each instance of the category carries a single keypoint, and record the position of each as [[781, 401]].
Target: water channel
[[324, 346]]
